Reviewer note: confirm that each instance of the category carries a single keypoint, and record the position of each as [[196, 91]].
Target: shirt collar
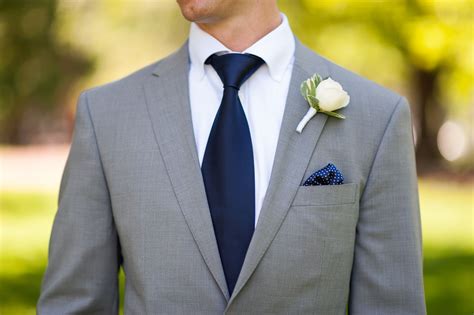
[[275, 48]]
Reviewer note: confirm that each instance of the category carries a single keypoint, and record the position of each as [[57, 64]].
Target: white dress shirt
[[263, 95]]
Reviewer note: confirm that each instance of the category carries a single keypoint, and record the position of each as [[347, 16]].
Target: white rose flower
[[331, 95]]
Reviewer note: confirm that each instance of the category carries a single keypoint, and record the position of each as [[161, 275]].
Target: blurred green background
[[50, 50]]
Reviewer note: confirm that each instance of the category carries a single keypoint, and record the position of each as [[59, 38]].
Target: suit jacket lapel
[[291, 159], [167, 96]]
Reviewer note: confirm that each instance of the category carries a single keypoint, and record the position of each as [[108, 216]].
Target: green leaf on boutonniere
[[316, 78], [313, 102], [308, 87], [334, 114]]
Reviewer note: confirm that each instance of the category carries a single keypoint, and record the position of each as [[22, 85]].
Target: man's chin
[[192, 10]]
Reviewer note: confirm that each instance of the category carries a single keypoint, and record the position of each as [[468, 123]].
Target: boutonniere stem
[[309, 114]]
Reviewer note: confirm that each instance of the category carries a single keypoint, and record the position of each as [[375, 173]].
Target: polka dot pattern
[[328, 175]]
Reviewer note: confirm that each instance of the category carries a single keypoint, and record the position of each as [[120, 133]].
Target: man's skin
[[236, 24]]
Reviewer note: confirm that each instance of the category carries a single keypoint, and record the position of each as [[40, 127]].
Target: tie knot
[[234, 68]]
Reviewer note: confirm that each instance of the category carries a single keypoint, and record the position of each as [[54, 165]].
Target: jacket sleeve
[[387, 275], [84, 253]]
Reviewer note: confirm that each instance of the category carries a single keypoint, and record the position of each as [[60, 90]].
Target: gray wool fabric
[[132, 195]]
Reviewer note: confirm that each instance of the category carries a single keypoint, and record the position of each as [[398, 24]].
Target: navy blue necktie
[[227, 166]]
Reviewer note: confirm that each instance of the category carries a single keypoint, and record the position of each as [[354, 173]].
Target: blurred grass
[[446, 209]]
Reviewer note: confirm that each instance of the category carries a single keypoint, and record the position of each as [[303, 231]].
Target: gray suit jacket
[[132, 195]]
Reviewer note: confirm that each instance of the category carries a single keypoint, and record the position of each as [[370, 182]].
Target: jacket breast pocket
[[326, 211], [325, 195]]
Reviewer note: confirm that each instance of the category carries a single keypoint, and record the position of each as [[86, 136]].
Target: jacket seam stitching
[[397, 104], [86, 98], [96, 142]]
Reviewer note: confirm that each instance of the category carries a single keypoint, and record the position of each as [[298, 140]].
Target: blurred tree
[[36, 72], [425, 44], [122, 35]]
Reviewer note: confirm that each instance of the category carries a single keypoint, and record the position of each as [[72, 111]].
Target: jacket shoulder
[[111, 91], [128, 86]]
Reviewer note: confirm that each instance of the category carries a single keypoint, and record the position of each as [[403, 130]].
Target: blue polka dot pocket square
[[328, 175]]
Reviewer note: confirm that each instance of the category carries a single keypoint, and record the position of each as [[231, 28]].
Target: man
[[190, 174]]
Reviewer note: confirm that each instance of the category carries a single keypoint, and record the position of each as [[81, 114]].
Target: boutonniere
[[323, 96]]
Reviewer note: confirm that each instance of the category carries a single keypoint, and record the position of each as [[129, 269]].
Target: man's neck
[[241, 31]]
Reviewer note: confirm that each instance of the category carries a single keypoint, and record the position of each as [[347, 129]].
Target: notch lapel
[[292, 156], [167, 96]]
